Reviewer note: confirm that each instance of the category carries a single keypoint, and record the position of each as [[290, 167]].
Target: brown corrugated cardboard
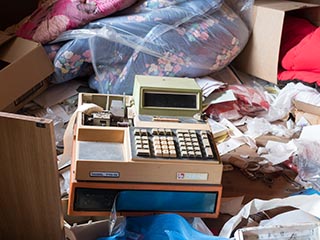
[[24, 64], [260, 57], [307, 107], [21, 101], [309, 117], [309, 112]]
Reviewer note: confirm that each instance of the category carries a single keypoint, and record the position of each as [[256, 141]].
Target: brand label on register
[[192, 176]]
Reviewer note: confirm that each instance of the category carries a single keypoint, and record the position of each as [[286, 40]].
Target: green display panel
[[167, 96]]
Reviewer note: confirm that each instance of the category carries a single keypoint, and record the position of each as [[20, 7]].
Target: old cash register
[[146, 153]]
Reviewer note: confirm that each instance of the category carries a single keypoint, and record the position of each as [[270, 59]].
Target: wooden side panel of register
[[30, 206]]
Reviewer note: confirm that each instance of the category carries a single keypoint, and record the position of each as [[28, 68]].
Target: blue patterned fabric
[[181, 38]]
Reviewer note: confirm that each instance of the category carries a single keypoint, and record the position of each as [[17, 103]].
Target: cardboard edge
[[306, 107], [4, 37]]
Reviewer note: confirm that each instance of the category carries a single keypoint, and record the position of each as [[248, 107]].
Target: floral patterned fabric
[[53, 17], [182, 38]]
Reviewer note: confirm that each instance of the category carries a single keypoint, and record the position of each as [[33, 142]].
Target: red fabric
[[305, 55], [294, 30], [300, 52], [310, 78]]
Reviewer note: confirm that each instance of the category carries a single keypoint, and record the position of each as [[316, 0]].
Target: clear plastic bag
[[168, 38], [307, 160], [250, 101]]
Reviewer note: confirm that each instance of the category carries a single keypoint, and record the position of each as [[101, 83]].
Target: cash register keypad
[[172, 143]]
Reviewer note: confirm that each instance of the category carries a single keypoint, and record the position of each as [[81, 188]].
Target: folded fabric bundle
[[300, 52], [177, 38], [53, 17]]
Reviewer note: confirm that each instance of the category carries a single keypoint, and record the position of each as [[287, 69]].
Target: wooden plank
[[30, 206]]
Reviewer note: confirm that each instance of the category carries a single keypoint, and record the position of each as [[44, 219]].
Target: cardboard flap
[[307, 107], [4, 37], [260, 57]]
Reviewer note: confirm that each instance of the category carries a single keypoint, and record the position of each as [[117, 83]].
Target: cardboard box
[[27, 97], [307, 111], [260, 57], [307, 107], [312, 119], [24, 64]]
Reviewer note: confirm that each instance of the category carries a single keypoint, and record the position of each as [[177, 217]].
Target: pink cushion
[[56, 16]]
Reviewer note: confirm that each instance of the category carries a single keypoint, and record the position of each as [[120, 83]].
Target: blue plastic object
[[168, 226]]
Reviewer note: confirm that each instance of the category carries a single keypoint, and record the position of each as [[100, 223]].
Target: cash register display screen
[[170, 100]]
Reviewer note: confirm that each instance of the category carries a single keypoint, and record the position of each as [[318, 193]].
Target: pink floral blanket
[[53, 17]]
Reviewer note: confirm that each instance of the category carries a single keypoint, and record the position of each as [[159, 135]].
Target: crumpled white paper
[[307, 203], [277, 152]]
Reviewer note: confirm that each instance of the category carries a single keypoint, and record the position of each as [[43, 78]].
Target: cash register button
[[145, 146], [194, 139], [136, 132], [191, 153], [184, 154], [170, 138], [158, 153], [165, 153], [206, 142], [161, 131], [182, 131], [208, 152], [163, 142], [157, 146], [170, 142], [183, 149], [173, 153], [198, 153], [154, 131], [164, 147], [138, 141], [190, 148], [168, 131], [205, 136], [180, 135], [197, 148], [171, 147], [195, 144], [143, 152], [193, 135], [144, 132], [186, 135]]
